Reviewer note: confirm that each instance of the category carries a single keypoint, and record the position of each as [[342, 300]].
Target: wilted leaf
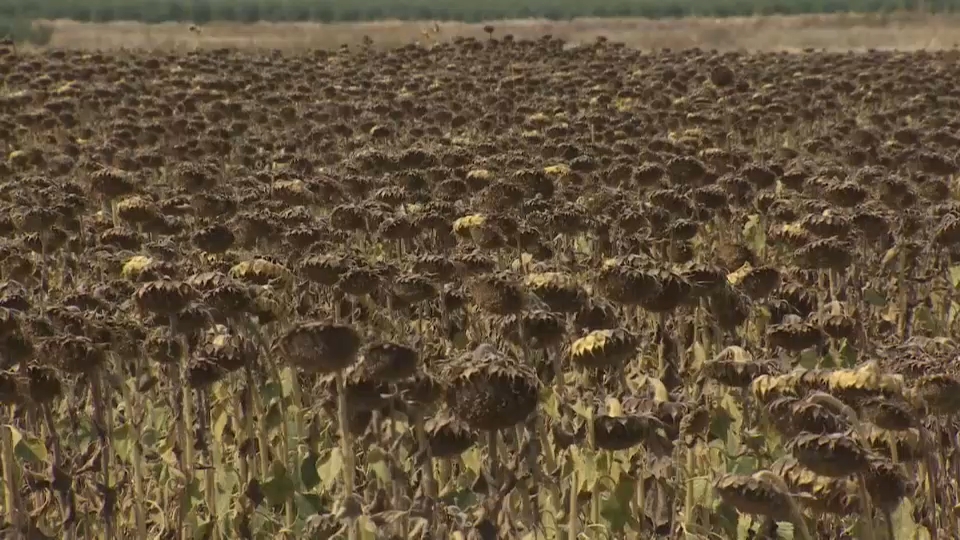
[[903, 524], [550, 404], [278, 486], [744, 465], [848, 355], [582, 410], [330, 470], [785, 530], [701, 486], [375, 454], [308, 504], [274, 416], [744, 526], [721, 422], [809, 359], [585, 463], [382, 471], [27, 448], [219, 424], [123, 442], [471, 460], [955, 276], [308, 470], [925, 319], [616, 509], [368, 529], [699, 357], [660, 393], [203, 530], [754, 234], [890, 255], [875, 298]]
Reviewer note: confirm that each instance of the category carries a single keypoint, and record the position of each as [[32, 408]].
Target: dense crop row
[[490, 288], [467, 10]]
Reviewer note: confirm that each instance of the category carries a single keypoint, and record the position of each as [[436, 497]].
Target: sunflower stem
[[642, 497], [797, 517], [688, 500], [493, 459], [244, 427], [573, 511], [182, 388], [866, 508], [209, 473], [257, 412], [930, 464], [595, 488], [138, 489], [346, 446], [288, 509], [528, 504], [662, 346], [137, 407], [888, 522], [903, 298], [11, 503], [429, 482], [104, 430], [64, 497]]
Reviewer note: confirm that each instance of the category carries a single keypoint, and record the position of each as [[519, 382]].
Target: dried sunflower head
[[491, 391], [738, 373], [324, 269], [228, 350], [559, 291], [414, 288], [9, 322], [203, 372], [887, 483], [853, 385], [319, 347], [260, 272], [359, 280], [907, 443], [43, 384], [886, 413], [819, 494], [447, 436], [10, 388], [623, 432], [794, 337], [603, 348], [825, 254], [499, 294], [74, 354], [834, 455], [421, 389], [939, 392], [363, 393], [535, 329], [792, 416], [761, 281], [164, 297], [754, 495], [626, 285], [389, 361], [704, 280]]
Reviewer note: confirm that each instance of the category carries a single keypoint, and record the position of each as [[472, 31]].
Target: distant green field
[[202, 11]]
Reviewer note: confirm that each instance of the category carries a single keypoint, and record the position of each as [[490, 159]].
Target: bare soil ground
[[847, 32]]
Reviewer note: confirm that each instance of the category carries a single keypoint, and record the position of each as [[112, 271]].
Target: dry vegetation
[[496, 288], [903, 31]]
